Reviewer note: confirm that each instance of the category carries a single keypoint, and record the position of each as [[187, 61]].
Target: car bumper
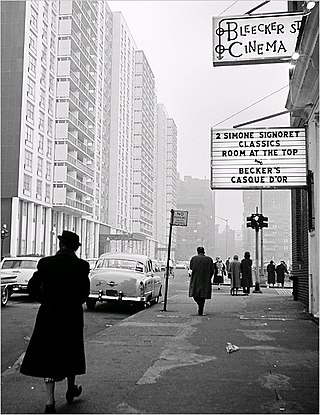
[[20, 288], [119, 297]]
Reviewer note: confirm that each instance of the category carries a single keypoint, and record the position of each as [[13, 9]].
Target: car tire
[[91, 304], [5, 294]]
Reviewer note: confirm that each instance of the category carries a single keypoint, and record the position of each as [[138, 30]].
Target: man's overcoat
[[56, 348], [200, 280]]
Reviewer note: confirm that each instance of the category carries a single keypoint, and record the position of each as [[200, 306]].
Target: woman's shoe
[[50, 409], [73, 393]]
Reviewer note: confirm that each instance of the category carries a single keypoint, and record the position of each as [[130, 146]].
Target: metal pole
[[227, 228], [257, 282], [261, 245], [168, 261]]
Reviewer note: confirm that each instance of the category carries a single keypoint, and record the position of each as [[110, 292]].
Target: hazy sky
[[176, 37]]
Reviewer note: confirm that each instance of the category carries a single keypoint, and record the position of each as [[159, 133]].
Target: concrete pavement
[[177, 362]]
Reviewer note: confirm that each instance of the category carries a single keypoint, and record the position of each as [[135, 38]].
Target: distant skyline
[[176, 37]]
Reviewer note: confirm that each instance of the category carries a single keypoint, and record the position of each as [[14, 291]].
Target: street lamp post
[[227, 228]]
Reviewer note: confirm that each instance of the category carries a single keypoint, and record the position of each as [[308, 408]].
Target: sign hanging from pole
[[253, 39], [258, 158]]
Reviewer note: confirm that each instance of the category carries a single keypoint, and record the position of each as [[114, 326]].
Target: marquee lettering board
[[273, 158]]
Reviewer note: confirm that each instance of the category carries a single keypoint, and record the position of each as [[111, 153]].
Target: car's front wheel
[[91, 304]]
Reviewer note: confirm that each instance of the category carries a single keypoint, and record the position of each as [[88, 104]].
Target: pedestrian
[[201, 267], [219, 271], [246, 273], [228, 262], [235, 280], [56, 347], [281, 269], [271, 270]]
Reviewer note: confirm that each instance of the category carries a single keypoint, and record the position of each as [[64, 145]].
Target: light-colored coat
[[235, 273]]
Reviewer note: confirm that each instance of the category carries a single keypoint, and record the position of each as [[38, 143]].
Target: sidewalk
[[176, 361]]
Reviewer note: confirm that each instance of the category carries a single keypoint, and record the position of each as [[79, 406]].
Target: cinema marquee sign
[[258, 158], [252, 39]]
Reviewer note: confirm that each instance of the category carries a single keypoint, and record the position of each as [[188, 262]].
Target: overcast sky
[[176, 37]]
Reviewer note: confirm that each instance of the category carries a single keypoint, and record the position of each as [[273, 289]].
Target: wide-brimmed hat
[[70, 239]]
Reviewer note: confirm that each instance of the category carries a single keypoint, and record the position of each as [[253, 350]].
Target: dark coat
[[200, 280], [246, 272], [219, 271], [281, 269], [56, 347], [271, 270]]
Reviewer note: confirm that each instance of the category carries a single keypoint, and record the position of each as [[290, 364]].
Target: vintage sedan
[[22, 267], [126, 277]]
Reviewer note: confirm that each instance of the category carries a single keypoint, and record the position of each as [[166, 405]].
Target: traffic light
[[263, 222], [255, 221], [249, 221], [4, 232]]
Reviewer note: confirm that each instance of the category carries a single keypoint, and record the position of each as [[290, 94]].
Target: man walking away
[[202, 268]]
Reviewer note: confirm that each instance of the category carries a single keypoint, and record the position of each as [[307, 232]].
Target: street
[[18, 317]]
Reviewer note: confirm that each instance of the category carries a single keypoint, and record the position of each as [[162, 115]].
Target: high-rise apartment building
[[144, 147], [28, 70], [172, 173], [161, 180], [122, 126], [82, 121]]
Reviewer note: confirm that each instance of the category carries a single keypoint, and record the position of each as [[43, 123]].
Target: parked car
[[124, 277], [92, 262], [22, 268], [7, 283]]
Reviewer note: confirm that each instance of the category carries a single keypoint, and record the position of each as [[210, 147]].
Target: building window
[[26, 188], [29, 136], [48, 171], [42, 99], [51, 83], [39, 166], [52, 62], [31, 88], [30, 112], [45, 33], [40, 143], [50, 127], [39, 189], [49, 149], [33, 42], [32, 65], [34, 18], [28, 160], [41, 121], [44, 55], [47, 196], [43, 77], [50, 105]]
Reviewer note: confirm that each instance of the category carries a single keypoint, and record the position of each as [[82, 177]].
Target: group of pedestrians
[[276, 273], [203, 269]]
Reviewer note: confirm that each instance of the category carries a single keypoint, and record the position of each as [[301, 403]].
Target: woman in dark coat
[[246, 273], [271, 270], [201, 267], [56, 348], [281, 269]]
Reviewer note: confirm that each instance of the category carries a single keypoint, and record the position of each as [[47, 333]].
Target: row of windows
[[28, 165], [28, 186], [29, 140]]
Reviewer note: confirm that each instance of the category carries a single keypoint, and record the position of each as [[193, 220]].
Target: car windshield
[[120, 263], [19, 263]]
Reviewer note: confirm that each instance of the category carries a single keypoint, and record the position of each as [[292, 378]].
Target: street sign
[[258, 158], [253, 39], [180, 218]]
